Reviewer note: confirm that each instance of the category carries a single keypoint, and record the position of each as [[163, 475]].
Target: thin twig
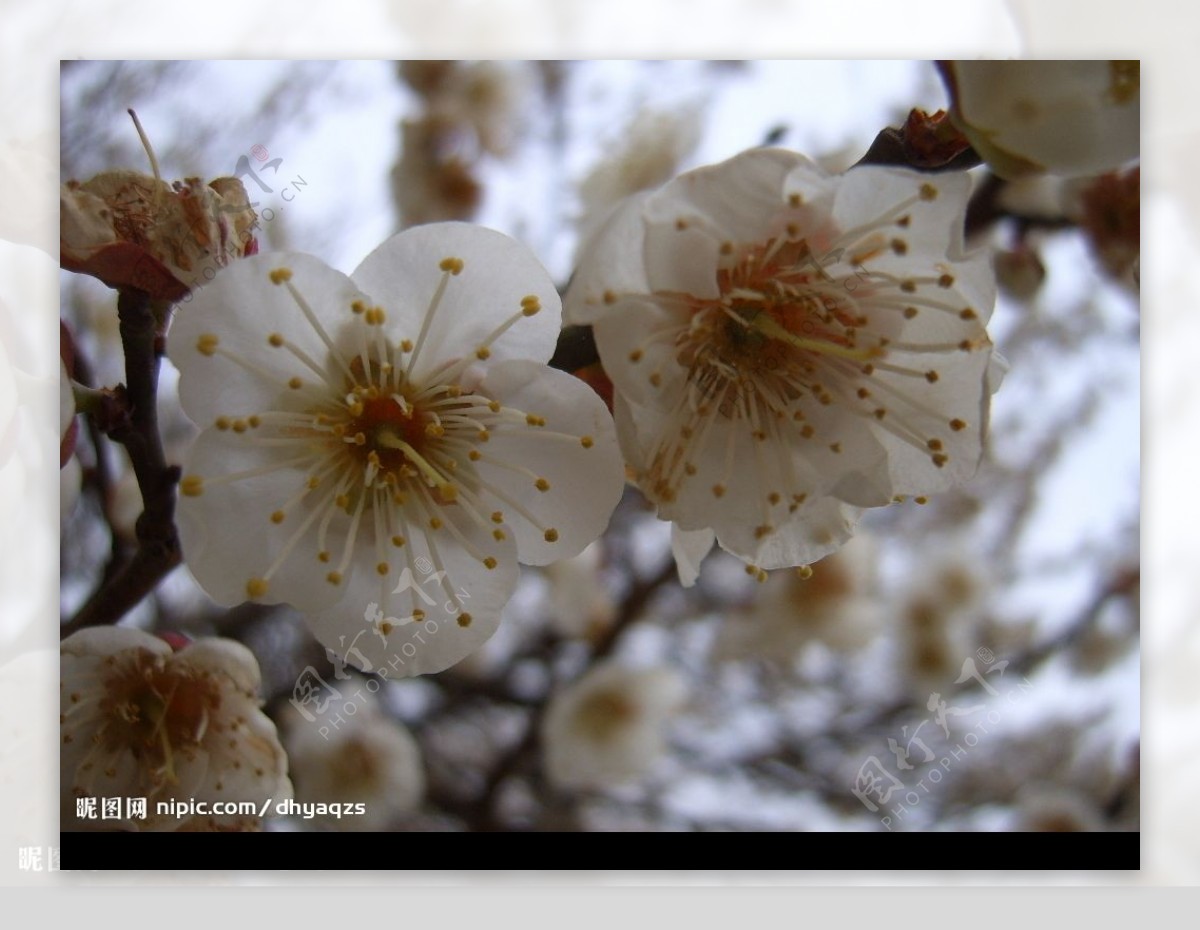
[[158, 542], [99, 477], [484, 819]]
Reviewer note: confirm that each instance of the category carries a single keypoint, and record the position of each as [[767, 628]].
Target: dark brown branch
[[484, 819], [158, 543], [635, 603], [986, 209], [99, 477], [1124, 584]]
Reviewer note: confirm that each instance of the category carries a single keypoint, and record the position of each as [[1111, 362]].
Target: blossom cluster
[[787, 348]]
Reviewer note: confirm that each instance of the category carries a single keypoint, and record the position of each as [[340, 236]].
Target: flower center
[[603, 715], [388, 428], [156, 710], [778, 314]]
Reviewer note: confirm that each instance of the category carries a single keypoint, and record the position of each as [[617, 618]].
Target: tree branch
[[158, 543], [482, 815]]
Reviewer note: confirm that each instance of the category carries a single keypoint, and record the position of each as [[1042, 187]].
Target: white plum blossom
[[1069, 118], [788, 347], [379, 451], [140, 720], [607, 727]]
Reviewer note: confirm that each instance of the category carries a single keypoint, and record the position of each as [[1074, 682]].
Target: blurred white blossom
[[647, 154], [67, 426], [1068, 118], [581, 604], [834, 602], [1055, 809], [608, 727], [936, 618], [365, 759]]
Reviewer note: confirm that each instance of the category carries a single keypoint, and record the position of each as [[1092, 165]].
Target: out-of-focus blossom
[[608, 727], [580, 603], [1109, 212], [1042, 196], [133, 230], [936, 621], [1110, 636], [70, 484], [365, 759], [380, 452], [1020, 272], [425, 75], [647, 154], [1055, 809], [125, 505], [140, 720], [489, 96], [789, 347], [470, 109], [488, 99], [836, 604], [67, 427], [1070, 118], [433, 181]]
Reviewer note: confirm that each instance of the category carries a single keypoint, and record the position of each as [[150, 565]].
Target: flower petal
[[226, 526], [575, 452], [221, 341], [610, 264], [110, 640], [227, 658], [1073, 118], [497, 274], [741, 201], [437, 604], [689, 549], [808, 535]]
